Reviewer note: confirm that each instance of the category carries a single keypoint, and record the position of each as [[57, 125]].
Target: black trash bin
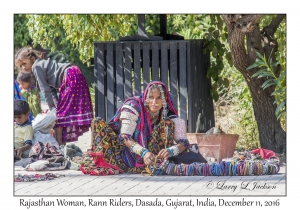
[[124, 68]]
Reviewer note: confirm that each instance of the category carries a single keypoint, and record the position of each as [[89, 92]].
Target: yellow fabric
[[33, 99], [22, 134]]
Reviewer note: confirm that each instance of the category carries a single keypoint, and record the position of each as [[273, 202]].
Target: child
[[23, 129], [74, 108], [18, 95], [30, 92]]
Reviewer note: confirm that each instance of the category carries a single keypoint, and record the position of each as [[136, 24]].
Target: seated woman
[[144, 127]]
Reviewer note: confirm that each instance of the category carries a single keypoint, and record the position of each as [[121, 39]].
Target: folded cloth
[[189, 157], [72, 150], [57, 163]]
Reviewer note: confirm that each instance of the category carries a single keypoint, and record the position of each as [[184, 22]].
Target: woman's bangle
[[144, 153], [173, 150], [185, 142], [138, 149]]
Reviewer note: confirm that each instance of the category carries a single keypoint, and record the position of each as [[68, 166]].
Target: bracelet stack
[[138, 149], [224, 168], [174, 151], [144, 153], [35, 177], [184, 141]]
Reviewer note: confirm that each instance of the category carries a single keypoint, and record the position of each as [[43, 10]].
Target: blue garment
[[18, 96]]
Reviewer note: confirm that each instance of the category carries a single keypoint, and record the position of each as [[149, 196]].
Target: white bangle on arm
[[174, 151], [138, 149]]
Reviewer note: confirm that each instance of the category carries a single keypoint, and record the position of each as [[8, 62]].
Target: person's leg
[[104, 140], [74, 109], [162, 136], [58, 135]]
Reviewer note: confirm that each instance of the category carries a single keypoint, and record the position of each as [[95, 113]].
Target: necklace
[[153, 115]]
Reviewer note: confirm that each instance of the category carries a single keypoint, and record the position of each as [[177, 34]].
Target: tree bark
[[271, 134]]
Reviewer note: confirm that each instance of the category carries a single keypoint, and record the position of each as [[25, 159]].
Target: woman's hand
[[164, 153], [149, 158]]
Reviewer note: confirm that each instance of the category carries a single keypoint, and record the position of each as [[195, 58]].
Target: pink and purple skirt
[[74, 109]]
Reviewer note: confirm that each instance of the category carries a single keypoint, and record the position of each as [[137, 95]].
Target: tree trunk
[[271, 134]]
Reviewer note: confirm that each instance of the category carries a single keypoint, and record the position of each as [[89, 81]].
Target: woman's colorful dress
[[106, 137], [74, 109]]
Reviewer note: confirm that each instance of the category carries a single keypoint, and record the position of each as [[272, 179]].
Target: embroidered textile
[[128, 127], [128, 116]]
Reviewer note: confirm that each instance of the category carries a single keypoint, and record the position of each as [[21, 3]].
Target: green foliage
[[21, 34], [78, 32], [48, 33], [71, 37], [267, 71], [279, 36], [212, 29]]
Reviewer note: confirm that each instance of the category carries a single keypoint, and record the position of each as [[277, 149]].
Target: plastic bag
[[42, 125], [39, 165], [44, 138], [44, 122]]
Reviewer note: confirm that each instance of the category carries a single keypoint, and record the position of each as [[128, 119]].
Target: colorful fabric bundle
[[100, 167], [35, 177], [264, 153], [41, 151]]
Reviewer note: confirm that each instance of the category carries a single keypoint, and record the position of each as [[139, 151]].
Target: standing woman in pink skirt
[[73, 106]]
